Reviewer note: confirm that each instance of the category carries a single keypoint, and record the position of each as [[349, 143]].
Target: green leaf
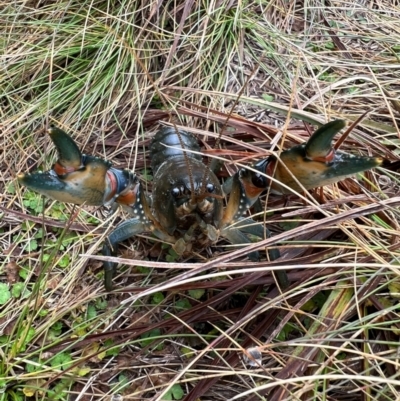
[[172, 255], [101, 304], [32, 245], [174, 393], [45, 257], [57, 326], [91, 312], [5, 293], [196, 294], [289, 225], [112, 351], [4, 339], [320, 298], [64, 261], [394, 289], [268, 98], [10, 188], [177, 392], [57, 212], [148, 337], [69, 238], [58, 392], [17, 289], [183, 304], [146, 176], [27, 225], [39, 234], [55, 331], [123, 382], [171, 258], [286, 330], [167, 396], [62, 361], [35, 366], [187, 352], [23, 273], [142, 269], [308, 306], [83, 371], [157, 298], [329, 45], [33, 204]]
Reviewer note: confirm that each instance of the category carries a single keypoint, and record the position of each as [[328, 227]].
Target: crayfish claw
[[77, 178], [70, 157], [319, 146], [87, 185], [316, 163]]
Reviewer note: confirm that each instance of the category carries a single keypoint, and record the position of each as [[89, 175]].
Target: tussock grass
[[108, 72]]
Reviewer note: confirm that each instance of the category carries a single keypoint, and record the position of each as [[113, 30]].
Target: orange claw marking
[[59, 169], [325, 159], [128, 198]]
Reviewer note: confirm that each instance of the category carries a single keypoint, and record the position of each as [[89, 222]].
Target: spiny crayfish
[[186, 204]]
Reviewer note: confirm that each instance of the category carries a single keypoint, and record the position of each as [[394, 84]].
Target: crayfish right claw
[[80, 179], [74, 178], [70, 157]]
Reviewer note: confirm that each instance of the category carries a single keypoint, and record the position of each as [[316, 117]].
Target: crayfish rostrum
[[186, 205]]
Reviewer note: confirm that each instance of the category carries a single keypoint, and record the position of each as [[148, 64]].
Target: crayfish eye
[[175, 192], [210, 188], [259, 180]]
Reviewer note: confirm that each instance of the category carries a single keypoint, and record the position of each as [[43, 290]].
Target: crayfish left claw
[[319, 146], [312, 164]]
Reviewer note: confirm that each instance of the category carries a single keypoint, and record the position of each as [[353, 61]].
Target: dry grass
[[108, 72]]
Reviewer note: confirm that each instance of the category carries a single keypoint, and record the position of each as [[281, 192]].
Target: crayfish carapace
[[186, 204]]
